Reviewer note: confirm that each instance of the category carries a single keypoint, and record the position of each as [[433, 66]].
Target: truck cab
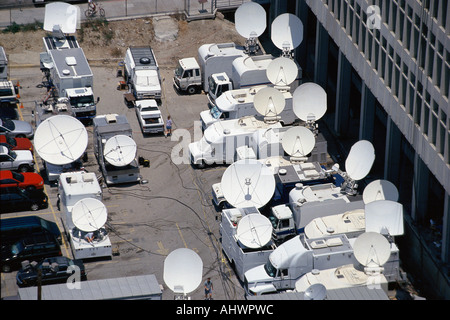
[[8, 93], [283, 222], [82, 102], [218, 83], [187, 76]]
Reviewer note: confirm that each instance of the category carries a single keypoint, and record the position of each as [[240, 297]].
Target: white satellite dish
[[60, 139], [120, 150], [309, 102], [287, 32], [298, 141], [250, 20], [360, 160], [282, 71], [316, 291], [89, 214], [385, 217], [371, 249], [269, 102], [248, 183], [61, 15], [254, 231], [380, 190], [183, 269]]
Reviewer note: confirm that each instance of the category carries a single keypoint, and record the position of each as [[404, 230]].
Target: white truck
[[298, 256], [214, 58], [246, 72], [149, 116], [106, 127], [221, 139], [20, 160], [241, 257], [308, 202], [68, 75], [142, 73], [8, 93], [73, 187], [238, 103]]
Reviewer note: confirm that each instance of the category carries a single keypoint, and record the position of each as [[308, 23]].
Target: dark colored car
[[53, 270], [27, 180], [33, 248], [15, 228], [14, 199]]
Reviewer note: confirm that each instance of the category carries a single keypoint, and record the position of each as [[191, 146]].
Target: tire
[[201, 165], [191, 90], [34, 207], [102, 12], [6, 268], [24, 168], [89, 13], [31, 188]]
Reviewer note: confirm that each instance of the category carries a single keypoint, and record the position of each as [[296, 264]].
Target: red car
[[25, 180], [16, 143]]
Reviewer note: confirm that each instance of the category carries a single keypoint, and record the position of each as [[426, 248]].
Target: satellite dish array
[[183, 269], [61, 18], [60, 139], [357, 165]]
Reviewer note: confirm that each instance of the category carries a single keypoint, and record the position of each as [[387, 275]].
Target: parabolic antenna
[[89, 214], [269, 102], [248, 183], [250, 20], [282, 71], [371, 249], [60, 139], [61, 15], [385, 217], [298, 141], [380, 190], [287, 32], [254, 231], [360, 160], [309, 102], [183, 269], [120, 150], [316, 291]]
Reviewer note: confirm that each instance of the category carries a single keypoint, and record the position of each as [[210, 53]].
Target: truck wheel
[[191, 90], [200, 165], [24, 168]]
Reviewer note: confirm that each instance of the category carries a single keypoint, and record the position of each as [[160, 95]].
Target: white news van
[[73, 187], [238, 103]]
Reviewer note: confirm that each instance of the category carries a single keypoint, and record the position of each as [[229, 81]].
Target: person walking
[[168, 131], [208, 289]]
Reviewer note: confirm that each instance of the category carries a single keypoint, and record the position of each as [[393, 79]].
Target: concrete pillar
[[445, 254], [341, 120], [321, 56], [367, 117], [420, 190], [392, 153]]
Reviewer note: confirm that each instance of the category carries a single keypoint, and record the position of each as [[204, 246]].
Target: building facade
[[385, 65]]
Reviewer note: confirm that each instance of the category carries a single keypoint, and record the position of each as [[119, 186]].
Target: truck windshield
[[178, 70], [212, 85], [5, 92], [270, 269], [274, 221], [215, 112], [81, 101]]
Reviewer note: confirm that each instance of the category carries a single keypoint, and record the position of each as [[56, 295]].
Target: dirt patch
[[108, 40]]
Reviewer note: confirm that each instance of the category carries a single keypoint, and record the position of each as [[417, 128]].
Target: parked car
[[149, 116], [16, 128], [20, 160], [9, 111], [13, 199], [14, 143], [32, 248], [15, 228], [53, 270], [26, 180]]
